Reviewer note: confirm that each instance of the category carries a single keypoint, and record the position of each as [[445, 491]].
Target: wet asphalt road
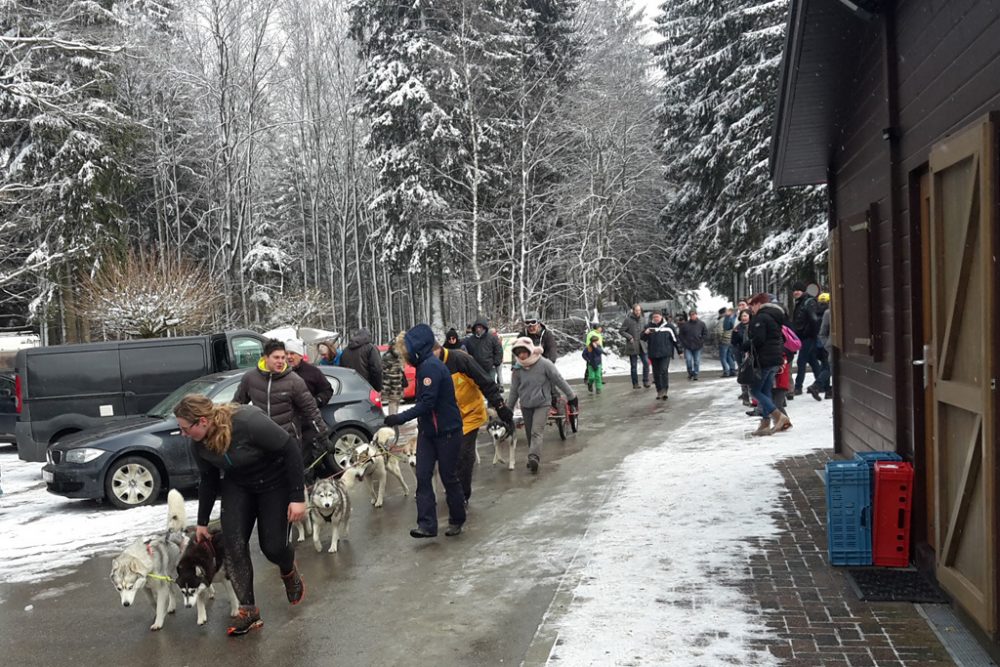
[[385, 598]]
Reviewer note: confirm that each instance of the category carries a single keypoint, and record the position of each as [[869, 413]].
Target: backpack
[[792, 342]]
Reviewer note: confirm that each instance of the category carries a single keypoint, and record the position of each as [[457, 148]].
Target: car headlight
[[83, 455]]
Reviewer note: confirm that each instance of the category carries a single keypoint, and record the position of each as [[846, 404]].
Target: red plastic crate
[[892, 503]]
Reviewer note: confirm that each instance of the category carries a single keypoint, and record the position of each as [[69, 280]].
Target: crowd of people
[[252, 453]]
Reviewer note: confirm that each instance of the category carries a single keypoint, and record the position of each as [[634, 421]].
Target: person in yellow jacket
[[473, 388]]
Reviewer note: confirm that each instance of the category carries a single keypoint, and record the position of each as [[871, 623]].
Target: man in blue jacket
[[439, 433]]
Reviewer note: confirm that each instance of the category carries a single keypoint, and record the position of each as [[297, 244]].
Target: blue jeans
[[693, 360], [762, 390], [727, 358], [807, 356], [443, 450], [633, 359]]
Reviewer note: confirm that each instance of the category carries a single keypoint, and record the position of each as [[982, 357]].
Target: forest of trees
[[171, 166]]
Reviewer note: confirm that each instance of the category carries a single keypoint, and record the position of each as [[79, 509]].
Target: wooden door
[[962, 172]]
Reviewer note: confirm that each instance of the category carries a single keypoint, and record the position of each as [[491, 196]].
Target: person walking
[[661, 340], [596, 329], [393, 377], [540, 336], [592, 355], [319, 388], [635, 348], [534, 382], [439, 433], [826, 345], [692, 335], [766, 343], [484, 347], [256, 466], [473, 389], [451, 341], [363, 357], [805, 322]]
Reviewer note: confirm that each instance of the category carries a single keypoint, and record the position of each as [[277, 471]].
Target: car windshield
[[165, 408]]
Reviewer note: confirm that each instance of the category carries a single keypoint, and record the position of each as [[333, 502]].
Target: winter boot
[[247, 619], [764, 428], [829, 394], [590, 387], [533, 463], [781, 422], [814, 392], [295, 588], [798, 391]]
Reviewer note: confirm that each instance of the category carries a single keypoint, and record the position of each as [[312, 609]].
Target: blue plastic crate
[[848, 512]]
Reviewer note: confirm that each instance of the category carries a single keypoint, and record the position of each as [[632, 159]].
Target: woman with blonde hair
[[263, 485]]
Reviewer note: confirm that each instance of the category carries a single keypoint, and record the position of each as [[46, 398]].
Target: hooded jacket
[[532, 384], [487, 349], [362, 356], [283, 396], [436, 409], [766, 340], [262, 456], [472, 384]]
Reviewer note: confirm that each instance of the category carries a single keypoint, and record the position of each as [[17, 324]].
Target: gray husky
[[151, 564], [329, 504]]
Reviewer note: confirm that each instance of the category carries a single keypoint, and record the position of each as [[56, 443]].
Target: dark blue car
[[130, 462]]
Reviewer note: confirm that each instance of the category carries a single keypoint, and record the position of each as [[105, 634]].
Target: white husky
[[151, 564], [374, 463], [329, 504]]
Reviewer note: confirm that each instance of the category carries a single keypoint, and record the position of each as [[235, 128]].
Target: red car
[[410, 391]]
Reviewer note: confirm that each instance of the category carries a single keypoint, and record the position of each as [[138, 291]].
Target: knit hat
[[295, 345], [798, 286], [527, 344], [452, 333]]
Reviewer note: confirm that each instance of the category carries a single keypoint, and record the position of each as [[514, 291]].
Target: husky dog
[[148, 564], [329, 504], [202, 564], [501, 433], [373, 462]]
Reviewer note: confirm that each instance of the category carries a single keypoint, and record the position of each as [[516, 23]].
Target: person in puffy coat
[[533, 383], [484, 347], [766, 344], [661, 341], [276, 389], [593, 354], [364, 358], [439, 433]]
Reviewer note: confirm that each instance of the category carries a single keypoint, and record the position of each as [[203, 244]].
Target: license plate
[[48, 477]]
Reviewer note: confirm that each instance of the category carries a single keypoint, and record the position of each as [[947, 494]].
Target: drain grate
[[884, 585]]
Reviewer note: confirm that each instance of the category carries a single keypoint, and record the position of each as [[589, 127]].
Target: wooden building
[[896, 107]]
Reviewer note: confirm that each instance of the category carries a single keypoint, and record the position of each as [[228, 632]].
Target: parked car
[[410, 391], [130, 462], [64, 389], [8, 408]]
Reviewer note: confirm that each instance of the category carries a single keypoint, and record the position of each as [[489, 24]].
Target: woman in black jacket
[[766, 343], [740, 336], [661, 342], [263, 485]]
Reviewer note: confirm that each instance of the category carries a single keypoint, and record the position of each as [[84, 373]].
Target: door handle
[[925, 363]]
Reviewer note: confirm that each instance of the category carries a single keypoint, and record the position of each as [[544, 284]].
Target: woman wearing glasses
[[262, 485]]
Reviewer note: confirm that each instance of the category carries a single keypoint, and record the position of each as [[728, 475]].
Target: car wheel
[[132, 481], [345, 441]]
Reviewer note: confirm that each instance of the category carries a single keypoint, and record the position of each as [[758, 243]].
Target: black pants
[[442, 450], [466, 462], [661, 373], [241, 509]]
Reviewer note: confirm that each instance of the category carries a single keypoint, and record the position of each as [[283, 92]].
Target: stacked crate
[[848, 512]]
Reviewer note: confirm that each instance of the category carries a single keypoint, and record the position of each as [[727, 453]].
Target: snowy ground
[[572, 366], [656, 570]]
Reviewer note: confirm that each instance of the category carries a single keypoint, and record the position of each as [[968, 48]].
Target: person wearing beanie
[[451, 341], [805, 322], [439, 433], [485, 347], [533, 383]]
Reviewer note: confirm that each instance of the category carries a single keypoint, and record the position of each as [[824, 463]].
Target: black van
[[67, 388]]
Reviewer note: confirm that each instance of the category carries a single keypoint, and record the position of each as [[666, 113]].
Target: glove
[[575, 403], [322, 444], [393, 420], [505, 414]]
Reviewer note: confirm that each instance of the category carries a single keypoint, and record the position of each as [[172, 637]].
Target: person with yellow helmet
[[824, 351]]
